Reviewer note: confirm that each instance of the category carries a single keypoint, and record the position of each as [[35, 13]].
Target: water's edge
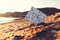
[[7, 19]]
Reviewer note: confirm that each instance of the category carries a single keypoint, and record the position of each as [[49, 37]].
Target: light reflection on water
[[6, 19]]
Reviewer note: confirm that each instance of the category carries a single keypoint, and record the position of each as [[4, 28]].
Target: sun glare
[[24, 5]]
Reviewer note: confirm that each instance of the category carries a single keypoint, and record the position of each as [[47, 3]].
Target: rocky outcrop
[[23, 29]]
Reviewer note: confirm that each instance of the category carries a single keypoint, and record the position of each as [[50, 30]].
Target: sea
[[7, 19]]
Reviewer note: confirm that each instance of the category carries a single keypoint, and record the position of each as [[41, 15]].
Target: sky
[[25, 5]]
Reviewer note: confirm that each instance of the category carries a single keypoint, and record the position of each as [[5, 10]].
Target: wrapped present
[[35, 16]]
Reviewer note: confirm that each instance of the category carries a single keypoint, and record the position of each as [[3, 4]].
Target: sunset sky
[[24, 5]]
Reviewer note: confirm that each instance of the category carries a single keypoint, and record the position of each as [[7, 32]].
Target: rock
[[35, 16], [18, 38]]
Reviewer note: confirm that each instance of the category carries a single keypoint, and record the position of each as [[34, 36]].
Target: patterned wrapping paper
[[35, 16]]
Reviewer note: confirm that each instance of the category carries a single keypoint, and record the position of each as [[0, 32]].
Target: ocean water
[[6, 19]]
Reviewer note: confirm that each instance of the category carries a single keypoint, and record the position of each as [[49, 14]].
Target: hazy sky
[[24, 5]]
